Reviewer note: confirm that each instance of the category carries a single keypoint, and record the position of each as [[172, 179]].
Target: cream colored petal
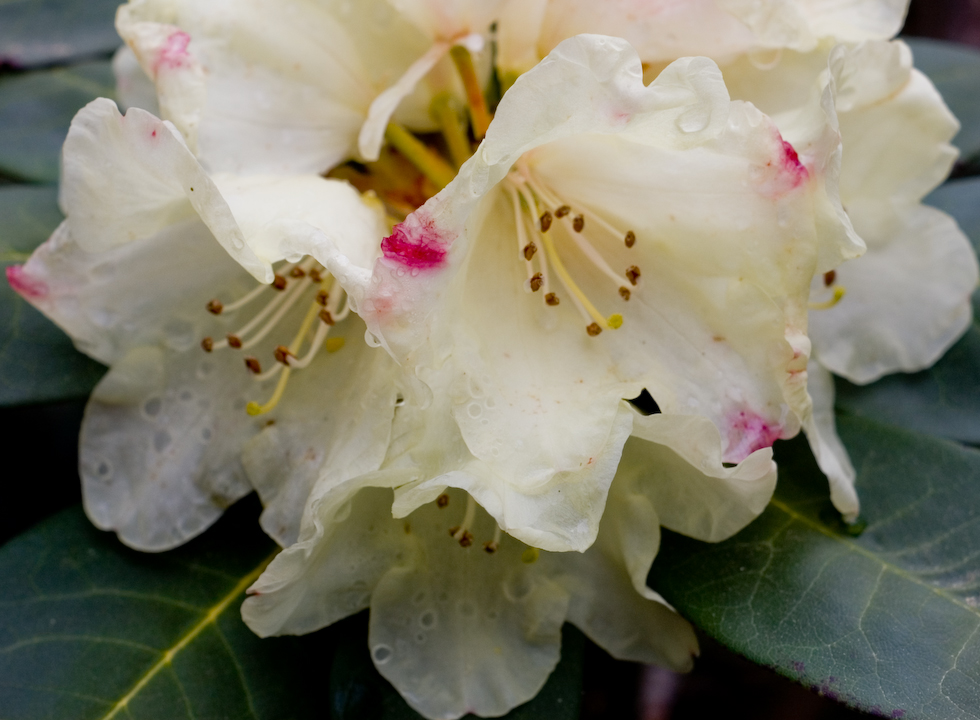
[[334, 423], [676, 462], [444, 20], [907, 299], [133, 87], [829, 451], [160, 445]]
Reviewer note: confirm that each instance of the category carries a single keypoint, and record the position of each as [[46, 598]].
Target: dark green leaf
[[44, 32], [955, 70], [888, 620], [945, 399], [36, 109], [358, 692], [37, 360], [90, 629]]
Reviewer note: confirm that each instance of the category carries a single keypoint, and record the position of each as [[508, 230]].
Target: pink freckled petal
[[24, 285], [792, 166], [416, 244], [747, 433], [174, 53]]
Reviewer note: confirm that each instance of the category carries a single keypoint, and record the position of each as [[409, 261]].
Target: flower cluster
[[477, 303]]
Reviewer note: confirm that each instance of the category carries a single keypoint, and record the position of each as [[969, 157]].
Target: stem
[[417, 153], [454, 132], [479, 115]]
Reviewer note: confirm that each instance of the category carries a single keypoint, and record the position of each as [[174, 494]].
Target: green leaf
[[358, 692], [945, 399], [90, 629], [37, 360], [955, 71], [887, 621], [36, 109], [44, 32]]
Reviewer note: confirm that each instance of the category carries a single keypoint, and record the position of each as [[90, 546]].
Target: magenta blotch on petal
[[416, 244], [174, 53], [24, 285], [748, 432]]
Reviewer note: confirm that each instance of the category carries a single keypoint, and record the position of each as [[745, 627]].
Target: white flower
[[129, 275], [908, 298]]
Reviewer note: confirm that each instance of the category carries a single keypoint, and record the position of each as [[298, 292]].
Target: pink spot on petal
[[792, 166], [416, 243], [153, 134], [747, 433], [174, 53], [24, 285]]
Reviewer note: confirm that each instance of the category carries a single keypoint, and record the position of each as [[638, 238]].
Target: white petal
[[908, 298], [678, 465], [160, 444], [334, 423], [449, 19], [855, 20], [829, 451], [133, 87]]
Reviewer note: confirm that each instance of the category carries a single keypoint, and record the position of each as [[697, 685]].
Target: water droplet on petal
[[381, 654]]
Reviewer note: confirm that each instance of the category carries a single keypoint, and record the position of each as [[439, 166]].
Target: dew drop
[[420, 638], [517, 586], [428, 620], [381, 654], [205, 369], [103, 472], [152, 407], [474, 410], [695, 119]]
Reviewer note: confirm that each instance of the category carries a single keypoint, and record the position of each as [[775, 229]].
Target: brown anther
[[551, 299], [253, 364], [491, 547], [829, 277], [453, 530], [315, 275], [321, 297], [207, 344], [297, 272], [283, 354], [279, 282], [529, 251], [624, 292], [578, 223], [442, 500], [593, 329], [326, 317], [630, 239], [537, 280], [215, 307], [466, 540], [545, 221], [632, 274], [562, 211], [234, 341]]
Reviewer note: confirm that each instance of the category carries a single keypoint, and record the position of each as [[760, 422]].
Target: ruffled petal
[[829, 451], [334, 424], [676, 462]]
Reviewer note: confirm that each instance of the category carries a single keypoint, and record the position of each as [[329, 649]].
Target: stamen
[[578, 224], [494, 545], [593, 329], [477, 104], [829, 277], [839, 293], [234, 341], [246, 299], [215, 307], [442, 500], [279, 282], [322, 296], [576, 292], [624, 292], [545, 221], [418, 153], [297, 272], [551, 299], [207, 344], [326, 318], [529, 251], [283, 354], [253, 364], [522, 243], [461, 533], [562, 211], [633, 274], [315, 275], [291, 297], [536, 282], [630, 239], [254, 408]]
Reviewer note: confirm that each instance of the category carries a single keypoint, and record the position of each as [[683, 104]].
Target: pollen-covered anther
[[297, 272], [545, 221], [578, 223], [551, 299], [315, 276], [283, 354], [633, 274], [442, 501], [326, 318], [490, 547], [630, 239], [624, 292], [593, 329], [829, 277], [529, 251], [234, 341], [215, 307], [562, 211], [207, 344], [536, 281], [321, 297], [279, 282], [253, 365]]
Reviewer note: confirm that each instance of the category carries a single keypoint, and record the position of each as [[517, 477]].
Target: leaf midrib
[[853, 546], [209, 619]]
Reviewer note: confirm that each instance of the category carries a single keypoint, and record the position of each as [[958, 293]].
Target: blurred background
[[722, 683]]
